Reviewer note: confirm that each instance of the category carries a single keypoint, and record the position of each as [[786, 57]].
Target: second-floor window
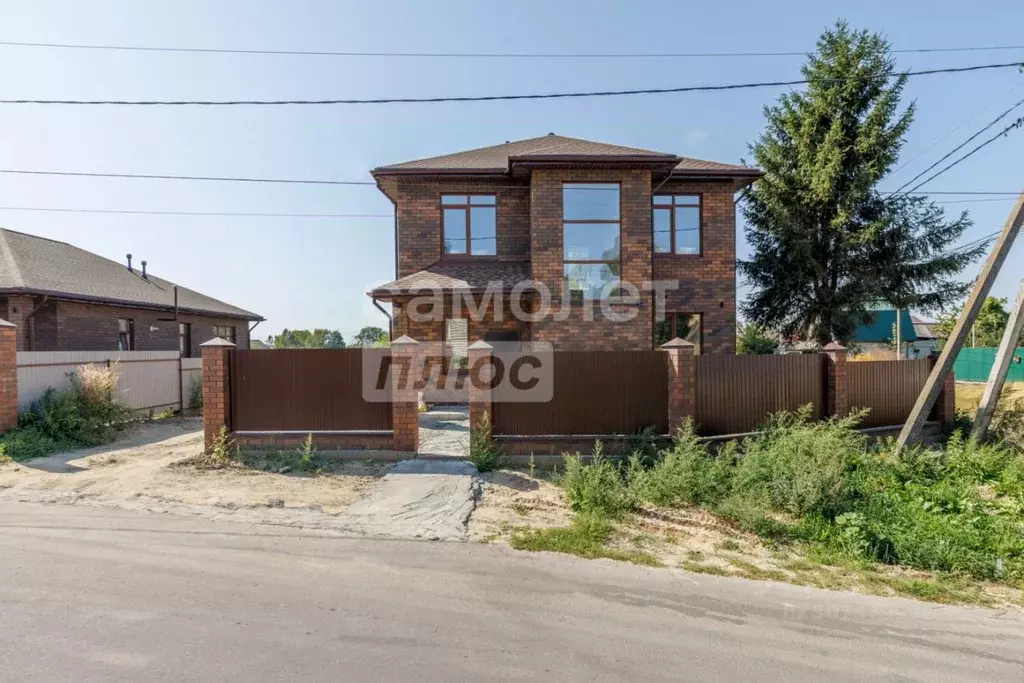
[[677, 224], [590, 238], [470, 224]]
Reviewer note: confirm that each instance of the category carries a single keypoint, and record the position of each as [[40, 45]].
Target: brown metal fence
[[888, 387], [595, 392], [305, 390], [736, 393]]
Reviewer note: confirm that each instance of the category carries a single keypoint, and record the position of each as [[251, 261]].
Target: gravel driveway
[[444, 432]]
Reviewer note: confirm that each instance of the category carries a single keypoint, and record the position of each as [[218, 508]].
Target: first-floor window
[[185, 340], [686, 326], [225, 332], [125, 334]]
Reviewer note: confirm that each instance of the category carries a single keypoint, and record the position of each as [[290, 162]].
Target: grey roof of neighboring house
[[37, 265], [923, 329], [497, 158], [457, 276]]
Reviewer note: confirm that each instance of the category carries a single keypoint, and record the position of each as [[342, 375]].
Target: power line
[[481, 55], [956, 128], [194, 213], [154, 176], [369, 183], [963, 144], [1016, 124], [493, 98]]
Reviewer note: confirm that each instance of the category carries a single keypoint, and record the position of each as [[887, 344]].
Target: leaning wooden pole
[[997, 377], [911, 432]]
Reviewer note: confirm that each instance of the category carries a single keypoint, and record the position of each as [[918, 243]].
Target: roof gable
[[43, 266]]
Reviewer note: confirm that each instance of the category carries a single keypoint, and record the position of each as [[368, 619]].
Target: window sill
[[672, 257]]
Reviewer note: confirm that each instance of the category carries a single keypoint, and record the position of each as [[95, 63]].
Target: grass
[[937, 523], [587, 537], [484, 452]]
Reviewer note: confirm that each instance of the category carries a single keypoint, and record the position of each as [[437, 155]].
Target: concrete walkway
[[444, 432], [424, 499]]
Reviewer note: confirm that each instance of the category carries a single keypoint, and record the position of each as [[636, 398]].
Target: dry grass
[[873, 355], [968, 394], [98, 381]]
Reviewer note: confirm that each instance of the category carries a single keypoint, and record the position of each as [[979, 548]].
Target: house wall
[[530, 226], [419, 219], [493, 318], [707, 283], [74, 326], [577, 333]]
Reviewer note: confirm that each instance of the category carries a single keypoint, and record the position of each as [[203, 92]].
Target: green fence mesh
[[974, 365]]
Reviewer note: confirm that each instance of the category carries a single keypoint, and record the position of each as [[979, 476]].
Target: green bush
[[799, 466], [87, 414], [596, 487], [483, 451], [686, 473], [195, 393]]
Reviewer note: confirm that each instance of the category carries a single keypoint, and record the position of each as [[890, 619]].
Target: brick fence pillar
[[481, 371], [8, 376], [682, 383], [406, 370], [838, 399], [216, 389], [945, 404]]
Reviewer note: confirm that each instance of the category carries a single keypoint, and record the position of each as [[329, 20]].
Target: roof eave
[[68, 296]]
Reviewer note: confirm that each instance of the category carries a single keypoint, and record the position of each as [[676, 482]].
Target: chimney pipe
[[130, 264], [144, 276]]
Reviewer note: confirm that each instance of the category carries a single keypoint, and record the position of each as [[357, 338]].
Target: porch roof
[[452, 275]]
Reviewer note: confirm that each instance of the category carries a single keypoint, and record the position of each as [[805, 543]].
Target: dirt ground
[[144, 469]]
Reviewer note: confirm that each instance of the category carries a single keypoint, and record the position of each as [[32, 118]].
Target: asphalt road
[[92, 594]]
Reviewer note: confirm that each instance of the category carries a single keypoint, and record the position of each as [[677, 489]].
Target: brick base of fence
[[380, 441]]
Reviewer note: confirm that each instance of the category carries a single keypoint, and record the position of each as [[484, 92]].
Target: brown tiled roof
[[457, 276], [496, 159], [36, 265]]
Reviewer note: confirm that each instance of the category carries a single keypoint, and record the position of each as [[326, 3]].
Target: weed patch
[[484, 452], [585, 537]]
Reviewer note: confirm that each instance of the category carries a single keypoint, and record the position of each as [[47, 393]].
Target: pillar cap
[[678, 343], [480, 345], [404, 340], [218, 341], [834, 346], [4, 323]]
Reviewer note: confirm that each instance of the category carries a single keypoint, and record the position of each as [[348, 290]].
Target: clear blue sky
[[302, 273]]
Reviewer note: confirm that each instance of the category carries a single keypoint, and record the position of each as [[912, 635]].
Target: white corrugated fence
[[148, 380]]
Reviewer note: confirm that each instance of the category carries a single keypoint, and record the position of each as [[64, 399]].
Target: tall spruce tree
[[827, 244]]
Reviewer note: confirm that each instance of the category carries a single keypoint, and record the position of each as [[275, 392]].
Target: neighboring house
[[259, 344], [878, 335], [927, 341], [562, 211], [63, 298]]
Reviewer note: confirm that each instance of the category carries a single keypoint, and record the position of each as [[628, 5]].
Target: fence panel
[[595, 393], [736, 393], [306, 390], [147, 380], [888, 387], [191, 371]]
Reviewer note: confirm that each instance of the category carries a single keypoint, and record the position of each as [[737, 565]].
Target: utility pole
[[911, 432], [996, 378], [899, 334]]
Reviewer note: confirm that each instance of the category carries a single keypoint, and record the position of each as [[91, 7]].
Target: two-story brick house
[[580, 219]]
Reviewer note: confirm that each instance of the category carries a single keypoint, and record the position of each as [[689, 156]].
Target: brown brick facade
[[529, 226], [57, 325]]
